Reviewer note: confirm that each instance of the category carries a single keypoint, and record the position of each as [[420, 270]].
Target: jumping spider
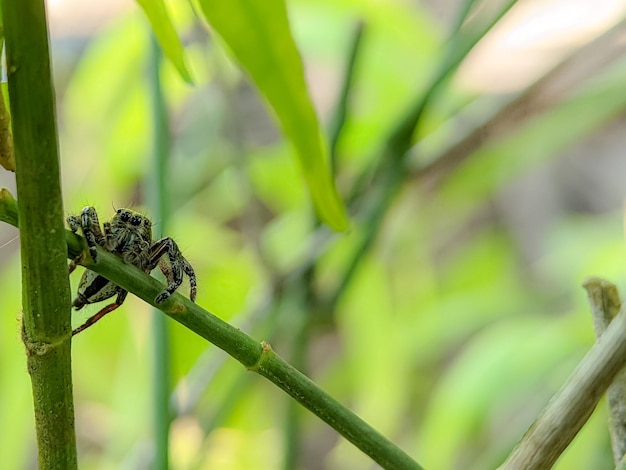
[[129, 235]]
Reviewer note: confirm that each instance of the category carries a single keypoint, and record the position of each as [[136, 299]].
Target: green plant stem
[[46, 329], [570, 408], [605, 305], [339, 116], [393, 170], [304, 308], [300, 337], [258, 357], [158, 201]]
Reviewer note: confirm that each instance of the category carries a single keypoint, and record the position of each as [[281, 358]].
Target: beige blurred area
[[525, 44], [83, 18], [531, 38]]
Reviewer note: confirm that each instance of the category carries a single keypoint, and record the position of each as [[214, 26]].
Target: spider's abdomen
[[93, 288]]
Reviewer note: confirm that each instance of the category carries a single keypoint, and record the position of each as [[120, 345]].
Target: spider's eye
[[146, 222], [125, 216], [136, 220], [118, 211]]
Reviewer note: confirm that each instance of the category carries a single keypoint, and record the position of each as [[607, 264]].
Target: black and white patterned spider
[[129, 235]]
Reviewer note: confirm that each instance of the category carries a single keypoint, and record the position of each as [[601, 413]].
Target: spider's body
[[129, 235]]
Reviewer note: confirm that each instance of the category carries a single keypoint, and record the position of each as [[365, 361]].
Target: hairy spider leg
[[88, 222], [91, 230], [73, 264], [75, 223], [165, 269], [108, 309], [173, 272], [192, 279], [109, 241]]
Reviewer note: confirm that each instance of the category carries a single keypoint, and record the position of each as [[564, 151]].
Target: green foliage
[[161, 24], [462, 317], [276, 68]]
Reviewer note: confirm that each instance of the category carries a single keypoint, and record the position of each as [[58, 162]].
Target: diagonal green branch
[[570, 408], [258, 357]]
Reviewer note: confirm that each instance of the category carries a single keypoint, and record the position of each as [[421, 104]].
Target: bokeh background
[[463, 318]]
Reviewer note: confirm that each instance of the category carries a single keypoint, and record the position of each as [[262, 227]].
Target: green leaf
[[166, 35], [258, 35]]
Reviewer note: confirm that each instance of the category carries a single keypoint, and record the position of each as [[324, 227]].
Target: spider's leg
[[108, 309], [73, 264], [109, 240], [173, 272], [91, 230], [165, 269], [74, 222], [192, 279]]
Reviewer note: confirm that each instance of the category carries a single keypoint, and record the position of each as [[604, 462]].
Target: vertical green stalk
[[341, 108], [46, 326], [293, 422], [157, 200], [305, 307]]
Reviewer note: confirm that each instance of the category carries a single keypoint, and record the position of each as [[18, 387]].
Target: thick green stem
[[252, 354], [45, 285]]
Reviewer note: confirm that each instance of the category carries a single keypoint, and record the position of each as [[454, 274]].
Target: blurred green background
[[460, 322]]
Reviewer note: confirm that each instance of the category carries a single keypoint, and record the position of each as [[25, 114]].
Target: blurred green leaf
[[113, 127], [496, 387], [166, 35], [16, 411], [257, 33]]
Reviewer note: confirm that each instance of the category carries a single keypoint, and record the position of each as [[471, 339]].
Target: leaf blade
[[257, 34], [166, 35]]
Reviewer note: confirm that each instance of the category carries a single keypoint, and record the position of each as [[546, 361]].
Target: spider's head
[[129, 220]]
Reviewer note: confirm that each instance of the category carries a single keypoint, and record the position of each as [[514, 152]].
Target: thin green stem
[[304, 285], [300, 335], [255, 356], [393, 159], [46, 329], [158, 200], [339, 117]]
